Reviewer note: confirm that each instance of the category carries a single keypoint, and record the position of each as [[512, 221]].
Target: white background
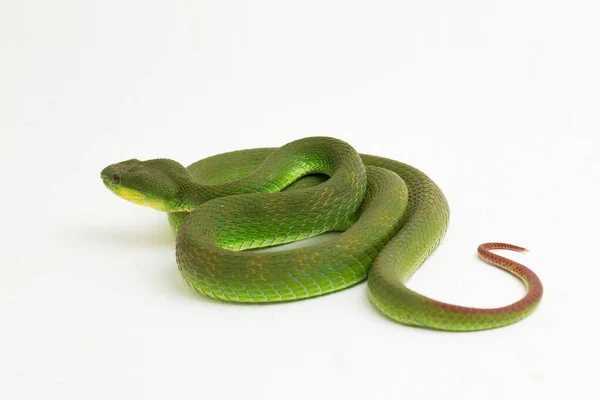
[[496, 100]]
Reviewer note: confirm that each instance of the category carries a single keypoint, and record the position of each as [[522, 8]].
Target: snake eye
[[116, 179]]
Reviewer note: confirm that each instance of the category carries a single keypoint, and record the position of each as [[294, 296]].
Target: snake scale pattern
[[391, 217]]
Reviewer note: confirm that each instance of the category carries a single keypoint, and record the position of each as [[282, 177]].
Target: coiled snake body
[[391, 215]]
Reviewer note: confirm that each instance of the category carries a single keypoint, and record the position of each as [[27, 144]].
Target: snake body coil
[[391, 215]]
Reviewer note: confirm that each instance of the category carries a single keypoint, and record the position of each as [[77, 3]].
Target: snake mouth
[[110, 185], [130, 194], [134, 196]]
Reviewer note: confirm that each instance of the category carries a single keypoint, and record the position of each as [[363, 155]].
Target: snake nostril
[[116, 179]]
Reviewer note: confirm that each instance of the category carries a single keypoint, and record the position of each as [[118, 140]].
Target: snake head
[[154, 183]]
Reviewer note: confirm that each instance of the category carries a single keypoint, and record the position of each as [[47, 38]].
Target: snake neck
[[193, 194]]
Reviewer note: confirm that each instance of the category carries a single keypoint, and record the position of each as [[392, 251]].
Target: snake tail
[[412, 308]]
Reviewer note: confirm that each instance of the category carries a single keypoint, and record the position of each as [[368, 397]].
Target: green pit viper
[[391, 217]]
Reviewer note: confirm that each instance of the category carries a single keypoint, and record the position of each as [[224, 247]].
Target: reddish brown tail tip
[[500, 246]]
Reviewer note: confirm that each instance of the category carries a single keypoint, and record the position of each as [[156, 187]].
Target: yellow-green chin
[[136, 197]]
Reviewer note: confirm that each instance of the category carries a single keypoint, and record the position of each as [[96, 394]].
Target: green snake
[[391, 217]]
